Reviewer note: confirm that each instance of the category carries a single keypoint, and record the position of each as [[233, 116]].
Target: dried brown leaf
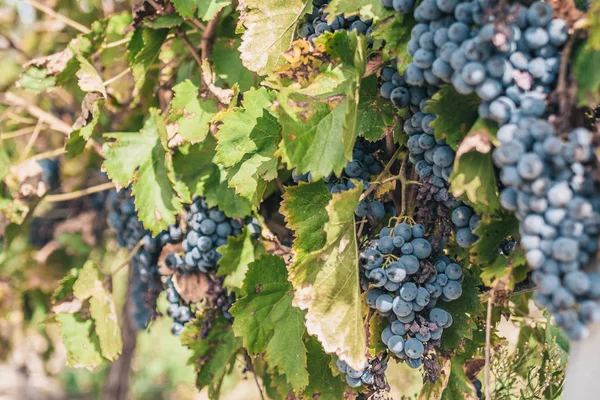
[[191, 287]]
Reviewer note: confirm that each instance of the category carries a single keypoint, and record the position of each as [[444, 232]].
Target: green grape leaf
[[247, 140], [186, 8], [377, 323], [37, 80], [228, 65], [191, 113], [208, 9], [452, 123], [267, 322], [164, 21], [88, 78], [376, 115], [199, 175], [143, 48], [463, 309], [80, 341], [394, 33], [326, 284], [145, 159], [366, 9], [459, 385], [491, 231], [473, 177], [270, 29], [322, 384], [102, 309], [45, 73], [586, 73], [319, 120], [304, 210], [212, 357], [237, 254], [504, 272]]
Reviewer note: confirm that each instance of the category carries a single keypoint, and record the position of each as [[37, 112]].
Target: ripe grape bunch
[[146, 284], [407, 274], [433, 160], [372, 376], [316, 23], [207, 229], [364, 164], [512, 64]]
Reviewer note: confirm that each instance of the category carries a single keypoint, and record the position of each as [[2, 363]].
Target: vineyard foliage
[[316, 187]]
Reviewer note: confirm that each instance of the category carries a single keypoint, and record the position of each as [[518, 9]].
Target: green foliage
[[268, 323], [326, 282], [247, 140], [237, 254], [212, 357], [143, 50], [319, 120], [452, 123], [191, 113], [143, 160]]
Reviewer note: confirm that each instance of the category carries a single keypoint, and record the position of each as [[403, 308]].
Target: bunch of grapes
[[372, 376], [50, 173], [146, 283], [316, 23], [207, 229], [510, 58], [364, 164], [401, 6], [406, 274], [433, 160]]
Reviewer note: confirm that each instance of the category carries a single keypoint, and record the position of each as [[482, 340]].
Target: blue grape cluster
[[372, 376], [433, 160], [400, 6], [50, 173], [146, 284], [364, 164], [512, 65], [316, 23], [208, 228], [181, 313], [406, 274]]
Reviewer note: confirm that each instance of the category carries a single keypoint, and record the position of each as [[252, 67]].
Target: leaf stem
[[377, 182], [249, 360], [55, 198], [190, 47], [488, 336], [48, 154], [130, 256], [66, 20], [32, 139], [116, 77], [17, 133], [54, 123], [116, 43]]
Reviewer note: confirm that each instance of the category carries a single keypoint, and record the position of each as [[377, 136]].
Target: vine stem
[[130, 256], [377, 182], [116, 43], [249, 362], [55, 198], [116, 77], [48, 154], [190, 47], [60, 17], [17, 133], [34, 136], [488, 339], [54, 123]]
